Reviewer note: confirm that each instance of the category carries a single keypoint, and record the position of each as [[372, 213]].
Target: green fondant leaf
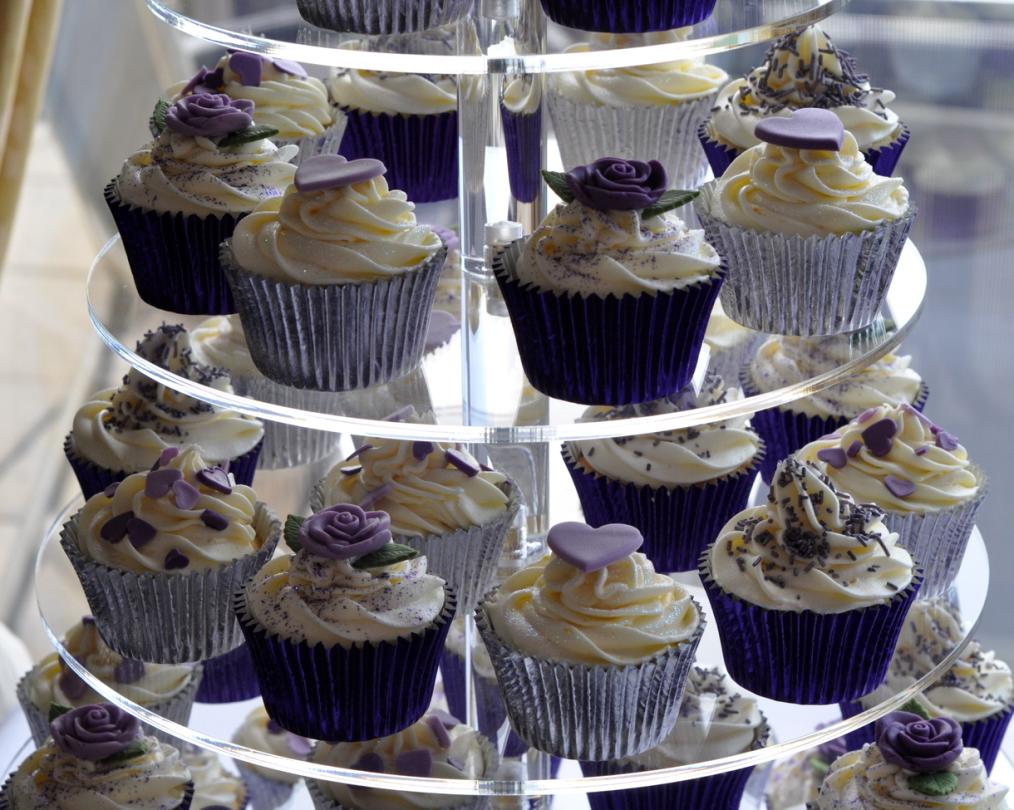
[[57, 709], [386, 555], [675, 198], [939, 783], [254, 133], [819, 767], [557, 181], [157, 121], [132, 751], [293, 523], [915, 707]]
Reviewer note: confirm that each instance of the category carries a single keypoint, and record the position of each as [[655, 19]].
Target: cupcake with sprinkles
[[809, 591], [267, 788], [161, 554], [918, 473]]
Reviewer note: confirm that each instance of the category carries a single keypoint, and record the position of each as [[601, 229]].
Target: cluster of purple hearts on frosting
[[917, 744], [209, 115], [416, 761], [95, 731], [615, 184], [249, 69], [808, 128], [590, 549], [324, 172], [344, 531]]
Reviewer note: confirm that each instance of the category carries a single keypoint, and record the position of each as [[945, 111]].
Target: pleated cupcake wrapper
[[327, 143], [168, 618], [264, 793], [570, 344], [388, 17], [489, 705], [664, 132], [419, 151], [590, 712], [806, 657], [287, 445], [726, 363], [627, 18], [6, 801], [677, 522], [229, 678], [791, 285], [174, 257], [523, 138], [884, 159], [718, 154], [335, 337], [338, 693]]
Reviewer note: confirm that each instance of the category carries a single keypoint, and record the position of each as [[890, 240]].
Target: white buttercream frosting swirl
[[723, 333], [213, 785], [393, 93], [220, 341], [258, 732]]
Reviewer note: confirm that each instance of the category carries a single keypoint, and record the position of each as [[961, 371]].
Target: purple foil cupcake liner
[[174, 257], [884, 159], [627, 17], [287, 445], [388, 17], [806, 657], [419, 151], [590, 712], [570, 344], [264, 793], [523, 139], [678, 523], [491, 712], [336, 337], [718, 154], [229, 678], [6, 801], [169, 618], [338, 693], [791, 285], [93, 479]]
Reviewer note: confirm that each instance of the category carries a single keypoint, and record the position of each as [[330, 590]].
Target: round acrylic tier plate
[[61, 604], [501, 408]]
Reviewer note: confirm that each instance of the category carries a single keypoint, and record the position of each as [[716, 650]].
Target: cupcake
[[811, 234], [809, 591], [794, 782], [678, 487], [345, 635], [286, 99], [166, 690], [612, 260], [161, 553], [388, 17], [408, 121], [521, 113], [98, 757], [977, 690], [804, 69], [125, 430], [918, 473], [266, 788], [176, 199], [590, 646], [730, 345], [442, 502], [715, 721], [228, 678], [628, 112], [915, 763], [781, 362], [436, 746], [339, 255], [627, 16], [214, 787]]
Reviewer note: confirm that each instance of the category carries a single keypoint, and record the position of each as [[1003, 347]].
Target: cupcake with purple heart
[[267, 788], [583, 676], [613, 260], [811, 234], [120, 431], [176, 199], [161, 554], [918, 473], [804, 69], [387, 17], [215, 788], [627, 16], [353, 619], [165, 689], [809, 591], [340, 254], [436, 746], [286, 99]]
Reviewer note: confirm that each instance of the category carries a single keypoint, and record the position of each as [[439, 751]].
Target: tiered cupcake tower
[[470, 388]]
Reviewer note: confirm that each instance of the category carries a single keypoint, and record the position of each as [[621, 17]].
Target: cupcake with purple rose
[[352, 618], [804, 69], [120, 431], [615, 282], [215, 788], [809, 591], [918, 473], [387, 17], [339, 254], [521, 113], [627, 16], [176, 199], [267, 788], [811, 235], [161, 554], [98, 756], [678, 487]]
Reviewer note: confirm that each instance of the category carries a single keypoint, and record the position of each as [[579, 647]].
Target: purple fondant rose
[[924, 746], [210, 114], [614, 184], [345, 531], [95, 731]]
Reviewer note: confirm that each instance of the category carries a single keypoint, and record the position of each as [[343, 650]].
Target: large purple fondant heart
[[589, 549], [248, 66], [333, 171], [809, 128]]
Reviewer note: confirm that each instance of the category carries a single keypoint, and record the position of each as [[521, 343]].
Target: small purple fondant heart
[[899, 487], [589, 549], [72, 685], [248, 66], [215, 478], [947, 441], [364, 449], [922, 451], [159, 482], [422, 449], [854, 448], [463, 461], [213, 520], [439, 731], [298, 746], [448, 719], [808, 128], [290, 67], [333, 171], [165, 457], [834, 456], [456, 763], [128, 671], [351, 470], [140, 532], [401, 414], [369, 761], [878, 436], [417, 762], [371, 498], [866, 415], [110, 491], [175, 560], [115, 529], [187, 495]]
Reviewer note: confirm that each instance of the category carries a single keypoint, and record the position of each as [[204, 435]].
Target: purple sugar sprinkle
[[110, 491], [128, 671], [417, 762], [854, 449], [273, 727], [165, 457], [947, 441], [922, 451], [372, 497], [71, 684], [899, 487], [115, 529], [159, 482], [140, 532], [175, 560], [878, 436], [401, 413], [422, 449], [215, 478], [213, 520], [834, 456], [360, 451], [464, 462], [369, 761], [298, 746], [187, 495], [437, 727], [866, 415]]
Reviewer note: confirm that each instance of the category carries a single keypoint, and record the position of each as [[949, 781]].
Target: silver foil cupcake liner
[[663, 132], [326, 143], [264, 793], [335, 337], [288, 445], [169, 618], [590, 712], [387, 17], [791, 285]]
